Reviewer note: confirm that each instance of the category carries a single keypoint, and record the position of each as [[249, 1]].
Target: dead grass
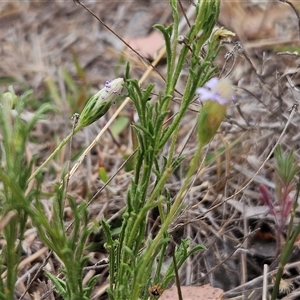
[[39, 38]]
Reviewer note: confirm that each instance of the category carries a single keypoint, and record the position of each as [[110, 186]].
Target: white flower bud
[[100, 103]]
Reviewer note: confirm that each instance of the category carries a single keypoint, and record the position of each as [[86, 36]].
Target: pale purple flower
[[217, 90]]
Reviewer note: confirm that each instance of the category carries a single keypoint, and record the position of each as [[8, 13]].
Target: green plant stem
[[173, 4], [180, 196], [177, 280], [293, 214], [58, 148], [161, 212], [170, 158], [169, 219], [288, 248], [153, 196]]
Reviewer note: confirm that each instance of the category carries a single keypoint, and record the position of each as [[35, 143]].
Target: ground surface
[[40, 43]]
